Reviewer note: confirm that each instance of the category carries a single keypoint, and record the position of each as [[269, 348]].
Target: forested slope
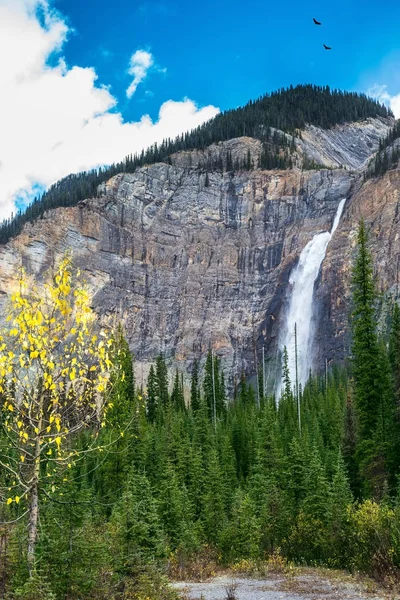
[[287, 110]]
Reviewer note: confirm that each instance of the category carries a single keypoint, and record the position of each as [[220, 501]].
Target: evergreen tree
[[394, 357], [161, 381], [109, 475], [135, 526], [340, 501], [350, 448], [194, 388], [152, 402], [175, 511], [243, 535], [213, 516], [371, 383], [177, 396], [394, 354], [213, 391], [287, 386]]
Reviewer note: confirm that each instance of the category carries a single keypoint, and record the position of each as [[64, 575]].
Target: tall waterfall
[[300, 310]]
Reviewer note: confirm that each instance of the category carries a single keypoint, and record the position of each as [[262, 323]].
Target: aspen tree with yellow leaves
[[55, 367]]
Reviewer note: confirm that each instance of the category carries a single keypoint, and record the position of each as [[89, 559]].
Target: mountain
[[196, 247]]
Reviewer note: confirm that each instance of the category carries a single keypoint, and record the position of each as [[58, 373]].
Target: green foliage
[[135, 526], [179, 485], [152, 403], [388, 154], [287, 385], [370, 371], [177, 396], [194, 387], [161, 382], [35, 588], [374, 539], [149, 584], [176, 512], [394, 355], [243, 534]]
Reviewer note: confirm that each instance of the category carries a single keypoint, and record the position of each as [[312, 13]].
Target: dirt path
[[311, 585]]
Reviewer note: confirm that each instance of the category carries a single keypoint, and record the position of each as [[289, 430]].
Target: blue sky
[[86, 82], [226, 52]]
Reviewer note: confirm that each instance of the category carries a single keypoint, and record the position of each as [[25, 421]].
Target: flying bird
[[316, 22], [327, 47]]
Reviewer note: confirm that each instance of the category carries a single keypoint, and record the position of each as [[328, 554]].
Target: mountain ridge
[[270, 119], [185, 258]]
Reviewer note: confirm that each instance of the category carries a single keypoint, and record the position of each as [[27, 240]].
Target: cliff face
[[378, 203], [187, 259]]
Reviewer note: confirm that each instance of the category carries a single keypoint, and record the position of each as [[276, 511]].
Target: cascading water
[[300, 311]]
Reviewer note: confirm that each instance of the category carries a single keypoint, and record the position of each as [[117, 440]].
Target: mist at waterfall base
[[301, 306]]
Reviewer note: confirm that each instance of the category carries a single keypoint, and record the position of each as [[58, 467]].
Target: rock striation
[[187, 259]]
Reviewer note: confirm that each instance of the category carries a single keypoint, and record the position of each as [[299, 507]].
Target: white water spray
[[300, 311]]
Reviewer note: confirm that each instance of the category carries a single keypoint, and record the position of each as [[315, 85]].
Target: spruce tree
[[287, 386], [210, 384], [152, 402], [371, 383], [243, 535], [394, 354], [177, 396], [213, 514], [194, 387], [162, 394], [135, 527], [341, 500]]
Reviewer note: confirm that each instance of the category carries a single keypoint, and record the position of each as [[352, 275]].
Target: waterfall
[[300, 310]]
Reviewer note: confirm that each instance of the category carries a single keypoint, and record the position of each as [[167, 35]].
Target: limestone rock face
[[187, 260]]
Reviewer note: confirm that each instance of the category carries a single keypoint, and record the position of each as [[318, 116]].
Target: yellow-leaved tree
[[55, 366]]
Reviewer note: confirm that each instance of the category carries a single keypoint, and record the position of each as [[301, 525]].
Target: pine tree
[[194, 388], [287, 386], [350, 448], [213, 516], [394, 354], [243, 535], [371, 383], [135, 525], [340, 501], [177, 396], [123, 416], [210, 384], [161, 381], [394, 357], [152, 403], [175, 511]]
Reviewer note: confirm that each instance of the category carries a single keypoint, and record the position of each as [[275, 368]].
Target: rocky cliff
[[188, 259]]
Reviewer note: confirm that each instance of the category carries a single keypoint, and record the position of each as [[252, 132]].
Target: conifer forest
[[154, 481]]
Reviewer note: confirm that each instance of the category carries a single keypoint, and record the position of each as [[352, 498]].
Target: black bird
[[316, 22], [327, 47]]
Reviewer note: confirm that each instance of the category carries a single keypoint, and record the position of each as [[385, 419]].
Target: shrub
[[374, 540], [35, 588]]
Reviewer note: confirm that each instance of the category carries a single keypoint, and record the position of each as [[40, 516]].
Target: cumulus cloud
[[140, 63], [380, 92], [56, 120]]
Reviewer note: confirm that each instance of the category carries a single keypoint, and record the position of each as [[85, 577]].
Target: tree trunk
[[33, 526], [34, 502]]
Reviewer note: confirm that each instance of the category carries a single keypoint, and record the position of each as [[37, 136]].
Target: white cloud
[[56, 120], [140, 63], [380, 92]]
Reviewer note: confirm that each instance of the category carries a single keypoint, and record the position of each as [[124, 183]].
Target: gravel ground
[[302, 587]]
